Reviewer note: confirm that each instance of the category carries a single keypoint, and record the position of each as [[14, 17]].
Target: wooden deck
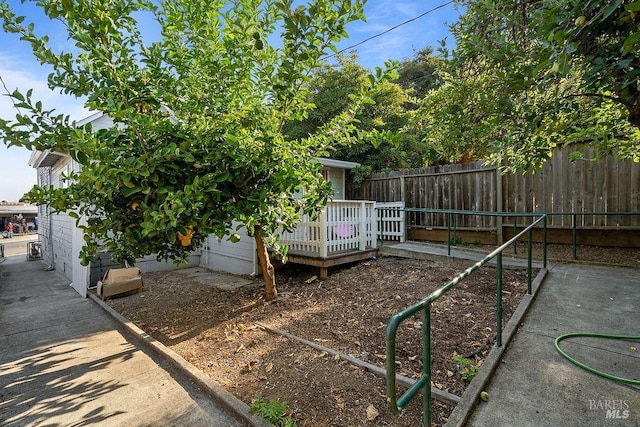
[[333, 259]]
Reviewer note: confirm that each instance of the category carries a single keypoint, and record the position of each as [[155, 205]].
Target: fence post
[[499, 207]]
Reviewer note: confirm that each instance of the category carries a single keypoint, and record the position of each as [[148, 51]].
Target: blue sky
[[19, 70]]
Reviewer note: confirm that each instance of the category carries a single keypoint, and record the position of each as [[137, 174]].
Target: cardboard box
[[119, 281]]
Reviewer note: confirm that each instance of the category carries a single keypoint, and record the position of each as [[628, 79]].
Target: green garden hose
[[588, 368]]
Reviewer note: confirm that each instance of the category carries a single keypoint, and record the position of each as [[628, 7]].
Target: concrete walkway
[[64, 361], [533, 385]]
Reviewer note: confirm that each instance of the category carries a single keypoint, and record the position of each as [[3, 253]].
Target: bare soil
[[222, 332]]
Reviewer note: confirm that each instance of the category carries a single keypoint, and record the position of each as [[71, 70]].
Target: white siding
[[44, 220], [224, 255], [102, 122], [336, 177], [62, 225]]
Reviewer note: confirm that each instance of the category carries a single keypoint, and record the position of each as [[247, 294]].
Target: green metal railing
[[452, 221], [574, 224], [424, 306]]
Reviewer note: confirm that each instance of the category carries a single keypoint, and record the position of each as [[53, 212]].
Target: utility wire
[[389, 30]]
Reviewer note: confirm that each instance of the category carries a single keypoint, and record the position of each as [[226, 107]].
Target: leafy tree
[[603, 37], [330, 90], [458, 121], [560, 71], [420, 73], [198, 137]]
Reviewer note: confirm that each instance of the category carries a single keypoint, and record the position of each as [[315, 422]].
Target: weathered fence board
[[561, 186]]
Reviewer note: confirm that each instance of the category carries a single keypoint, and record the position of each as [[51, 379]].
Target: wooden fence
[[561, 186]]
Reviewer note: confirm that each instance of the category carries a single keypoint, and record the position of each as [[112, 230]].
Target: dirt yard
[[222, 331]]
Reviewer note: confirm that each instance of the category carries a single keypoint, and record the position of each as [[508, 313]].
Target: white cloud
[[16, 176], [23, 76]]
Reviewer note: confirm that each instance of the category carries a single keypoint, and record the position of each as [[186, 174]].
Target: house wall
[[224, 255], [55, 231], [62, 226], [44, 219], [103, 262], [336, 177]]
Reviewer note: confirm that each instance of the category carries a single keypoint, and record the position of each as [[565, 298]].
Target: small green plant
[[457, 241], [465, 366], [274, 411]]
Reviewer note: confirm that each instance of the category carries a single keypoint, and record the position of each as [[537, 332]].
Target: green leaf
[[17, 95], [610, 9], [631, 42], [128, 192]]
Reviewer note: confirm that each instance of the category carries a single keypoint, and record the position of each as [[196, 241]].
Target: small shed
[[345, 231]]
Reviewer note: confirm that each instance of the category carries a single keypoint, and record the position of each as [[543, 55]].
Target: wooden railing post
[[363, 227], [372, 220], [323, 233]]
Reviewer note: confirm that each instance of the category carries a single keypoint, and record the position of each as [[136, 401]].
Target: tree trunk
[[634, 113], [268, 272]]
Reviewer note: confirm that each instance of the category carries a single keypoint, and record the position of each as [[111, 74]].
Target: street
[[17, 245]]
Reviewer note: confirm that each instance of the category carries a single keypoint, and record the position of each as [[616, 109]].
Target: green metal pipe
[[455, 230], [529, 262], [426, 366], [499, 299], [448, 234], [574, 234], [392, 328], [404, 400], [424, 383], [544, 241], [515, 230]]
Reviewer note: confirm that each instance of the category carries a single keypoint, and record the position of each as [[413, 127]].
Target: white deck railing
[[344, 225], [391, 221]]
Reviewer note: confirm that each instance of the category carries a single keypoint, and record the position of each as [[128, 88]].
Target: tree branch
[[595, 95]]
